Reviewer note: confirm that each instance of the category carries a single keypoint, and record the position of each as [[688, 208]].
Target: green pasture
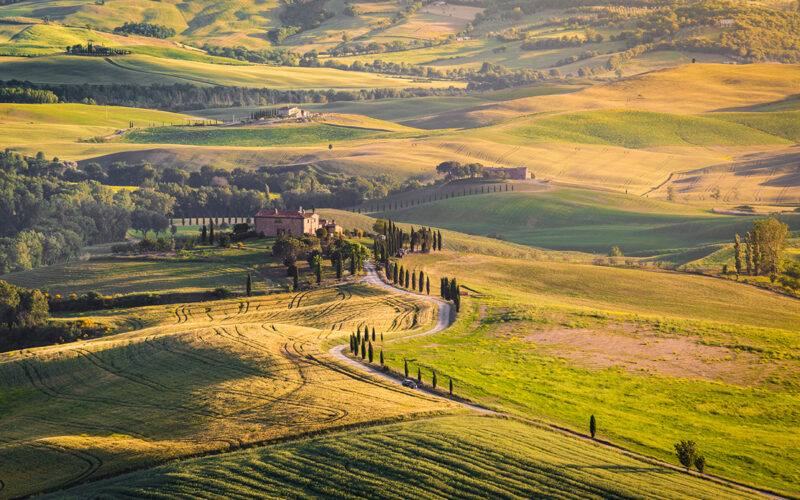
[[642, 129], [446, 457], [589, 221], [297, 135]]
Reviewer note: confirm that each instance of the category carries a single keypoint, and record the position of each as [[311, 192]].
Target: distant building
[[286, 222], [331, 226], [726, 23], [291, 112], [517, 174]]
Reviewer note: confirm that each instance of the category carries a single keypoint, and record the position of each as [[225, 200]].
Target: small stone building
[[517, 174]]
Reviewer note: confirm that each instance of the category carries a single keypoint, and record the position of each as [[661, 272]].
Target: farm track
[[443, 321]]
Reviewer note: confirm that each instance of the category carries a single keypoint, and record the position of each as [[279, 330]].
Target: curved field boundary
[[444, 321]]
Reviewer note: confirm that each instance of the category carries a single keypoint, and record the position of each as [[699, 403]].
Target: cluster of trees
[[346, 49], [315, 249], [27, 95], [456, 170], [587, 54], [95, 50], [181, 97], [451, 290], [47, 220], [392, 240], [410, 279], [561, 42], [689, 455], [145, 29], [763, 247], [363, 344]]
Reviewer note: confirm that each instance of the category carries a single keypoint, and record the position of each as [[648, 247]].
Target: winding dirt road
[[443, 321]]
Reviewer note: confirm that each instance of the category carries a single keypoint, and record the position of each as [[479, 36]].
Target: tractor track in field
[[443, 322]]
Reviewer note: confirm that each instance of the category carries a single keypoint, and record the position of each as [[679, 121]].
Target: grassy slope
[[505, 352], [143, 69], [197, 378], [467, 457], [642, 129], [248, 137], [570, 219]]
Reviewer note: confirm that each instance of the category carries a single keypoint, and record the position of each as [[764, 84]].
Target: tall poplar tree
[[737, 254]]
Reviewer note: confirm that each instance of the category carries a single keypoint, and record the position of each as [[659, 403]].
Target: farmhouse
[[296, 223], [289, 222], [726, 23], [517, 174], [291, 112]]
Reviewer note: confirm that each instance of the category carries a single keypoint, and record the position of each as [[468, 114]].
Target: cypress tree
[[427, 286], [421, 281], [370, 352], [407, 278], [433, 246], [373, 333], [249, 286], [451, 387], [381, 357], [446, 289], [351, 342], [592, 426], [419, 375], [363, 348], [339, 268], [211, 233], [405, 367], [440, 241], [381, 337], [318, 271], [737, 254], [203, 235], [295, 278], [748, 251], [394, 277], [433, 381], [358, 334], [413, 281]]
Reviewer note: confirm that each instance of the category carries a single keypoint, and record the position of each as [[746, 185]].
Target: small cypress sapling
[[381, 337], [451, 387], [405, 367], [381, 357], [592, 426]]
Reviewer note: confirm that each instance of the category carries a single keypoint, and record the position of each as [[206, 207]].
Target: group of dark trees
[[184, 96], [95, 50], [314, 250], [451, 290], [363, 344], [406, 278], [145, 29]]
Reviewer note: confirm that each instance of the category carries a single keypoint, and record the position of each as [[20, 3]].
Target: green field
[[693, 357], [441, 458], [145, 70], [298, 135], [642, 129], [589, 221]]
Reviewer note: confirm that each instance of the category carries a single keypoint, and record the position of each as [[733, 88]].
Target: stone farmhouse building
[[295, 223]]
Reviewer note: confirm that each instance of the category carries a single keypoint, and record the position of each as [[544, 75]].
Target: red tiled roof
[[284, 214]]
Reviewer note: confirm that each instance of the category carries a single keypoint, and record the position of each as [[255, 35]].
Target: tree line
[[27, 95], [185, 96]]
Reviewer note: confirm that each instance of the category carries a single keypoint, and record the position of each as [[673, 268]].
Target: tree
[[451, 387], [405, 367], [363, 348], [615, 252], [407, 278], [381, 357], [211, 233], [203, 235], [317, 264], [748, 253], [373, 333], [413, 281], [9, 301], [370, 352], [769, 237], [433, 381], [592, 426], [419, 375], [687, 452], [249, 286], [700, 463], [295, 278], [32, 309], [339, 266], [352, 343], [737, 254], [439, 241], [427, 286]]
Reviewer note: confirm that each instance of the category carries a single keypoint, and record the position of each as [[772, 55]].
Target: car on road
[[409, 383]]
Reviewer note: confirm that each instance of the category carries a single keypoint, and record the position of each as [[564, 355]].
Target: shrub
[[218, 293]]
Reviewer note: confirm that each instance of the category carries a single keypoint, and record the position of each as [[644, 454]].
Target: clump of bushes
[[218, 293], [149, 245]]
